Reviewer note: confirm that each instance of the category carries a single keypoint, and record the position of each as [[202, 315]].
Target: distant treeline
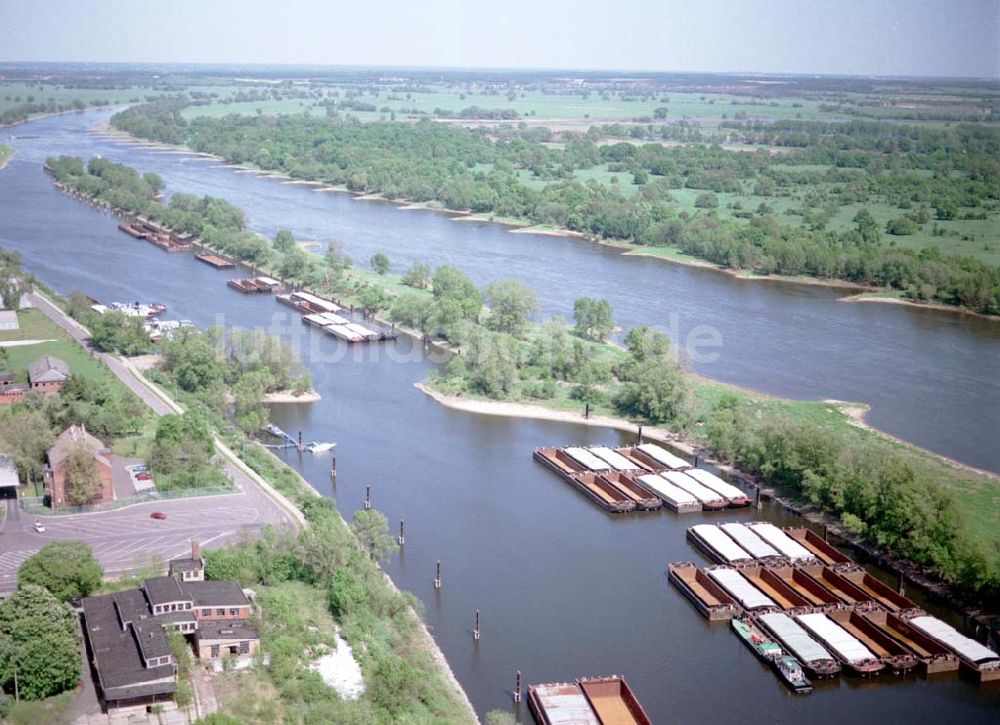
[[464, 169]]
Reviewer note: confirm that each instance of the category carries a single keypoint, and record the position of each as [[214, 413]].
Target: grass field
[[709, 108], [14, 93], [36, 326]]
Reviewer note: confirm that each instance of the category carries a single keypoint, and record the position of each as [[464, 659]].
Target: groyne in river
[[565, 590]]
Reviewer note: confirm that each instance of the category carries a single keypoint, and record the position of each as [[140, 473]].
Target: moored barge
[[810, 653], [213, 260], [934, 656], [256, 285], [733, 495], [655, 458], [845, 646], [675, 499], [894, 655], [709, 499], [588, 701], [823, 550], [719, 547], [978, 660], [714, 603], [739, 587], [785, 544], [595, 487]]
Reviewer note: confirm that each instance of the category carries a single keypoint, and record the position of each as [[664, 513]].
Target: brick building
[[47, 374], [126, 632], [56, 478]]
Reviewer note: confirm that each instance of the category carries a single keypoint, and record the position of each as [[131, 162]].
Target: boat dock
[[648, 475], [255, 286], [587, 701], [214, 260]]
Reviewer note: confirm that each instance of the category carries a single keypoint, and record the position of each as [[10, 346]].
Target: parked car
[[158, 515], [143, 477], [37, 526]]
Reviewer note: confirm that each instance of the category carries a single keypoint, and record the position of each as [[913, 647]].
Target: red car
[[158, 515]]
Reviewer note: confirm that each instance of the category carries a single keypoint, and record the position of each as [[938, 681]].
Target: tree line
[[467, 170]]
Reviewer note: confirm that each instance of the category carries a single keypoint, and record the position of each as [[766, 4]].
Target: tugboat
[[791, 672], [767, 650]]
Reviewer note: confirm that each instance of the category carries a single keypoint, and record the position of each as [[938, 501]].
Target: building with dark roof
[[189, 568], [127, 640], [47, 374]]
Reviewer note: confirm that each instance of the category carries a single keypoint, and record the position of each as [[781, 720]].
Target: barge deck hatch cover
[[836, 637]]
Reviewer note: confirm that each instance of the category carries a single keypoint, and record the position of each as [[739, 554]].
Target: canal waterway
[[565, 590]]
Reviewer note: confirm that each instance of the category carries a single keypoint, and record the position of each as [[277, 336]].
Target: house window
[[187, 605], [221, 612], [233, 612], [215, 650], [244, 647], [206, 612]]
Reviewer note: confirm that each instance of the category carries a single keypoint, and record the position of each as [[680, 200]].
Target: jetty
[[587, 701]]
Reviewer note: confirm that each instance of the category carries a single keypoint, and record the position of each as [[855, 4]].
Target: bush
[[68, 569]]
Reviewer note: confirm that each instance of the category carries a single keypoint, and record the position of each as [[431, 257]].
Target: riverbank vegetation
[[842, 208], [907, 502], [310, 587]]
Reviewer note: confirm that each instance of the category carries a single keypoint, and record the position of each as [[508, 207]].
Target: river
[[564, 589]]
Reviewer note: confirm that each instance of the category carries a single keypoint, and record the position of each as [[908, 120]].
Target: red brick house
[[47, 374], [11, 391], [56, 473]]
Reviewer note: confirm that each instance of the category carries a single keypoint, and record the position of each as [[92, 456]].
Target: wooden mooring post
[[639, 436]]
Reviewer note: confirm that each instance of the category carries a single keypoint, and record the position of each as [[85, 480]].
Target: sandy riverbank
[[7, 158], [868, 297], [309, 396]]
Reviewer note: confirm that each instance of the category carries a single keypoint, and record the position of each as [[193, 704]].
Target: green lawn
[[36, 326]]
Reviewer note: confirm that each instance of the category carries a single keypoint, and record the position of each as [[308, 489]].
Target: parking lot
[[129, 538]]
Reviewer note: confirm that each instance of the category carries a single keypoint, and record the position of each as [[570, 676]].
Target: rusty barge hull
[[711, 600], [600, 492], [587, 701], [894, 655], [823, 550], [214, 260], [934, 657]]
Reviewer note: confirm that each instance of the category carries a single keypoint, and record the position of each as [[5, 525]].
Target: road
[[127, 539]]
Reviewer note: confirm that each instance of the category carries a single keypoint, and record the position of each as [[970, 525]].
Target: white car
[[39, 527]]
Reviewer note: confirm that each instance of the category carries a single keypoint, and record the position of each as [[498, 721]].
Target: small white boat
[[315, 447]]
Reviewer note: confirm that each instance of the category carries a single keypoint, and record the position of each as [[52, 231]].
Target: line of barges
[[643, 477], [821, 606]]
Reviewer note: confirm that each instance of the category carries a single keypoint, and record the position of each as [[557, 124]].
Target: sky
[[843, 37]]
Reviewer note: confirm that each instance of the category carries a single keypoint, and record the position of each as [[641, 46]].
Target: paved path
[[128, 538]]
